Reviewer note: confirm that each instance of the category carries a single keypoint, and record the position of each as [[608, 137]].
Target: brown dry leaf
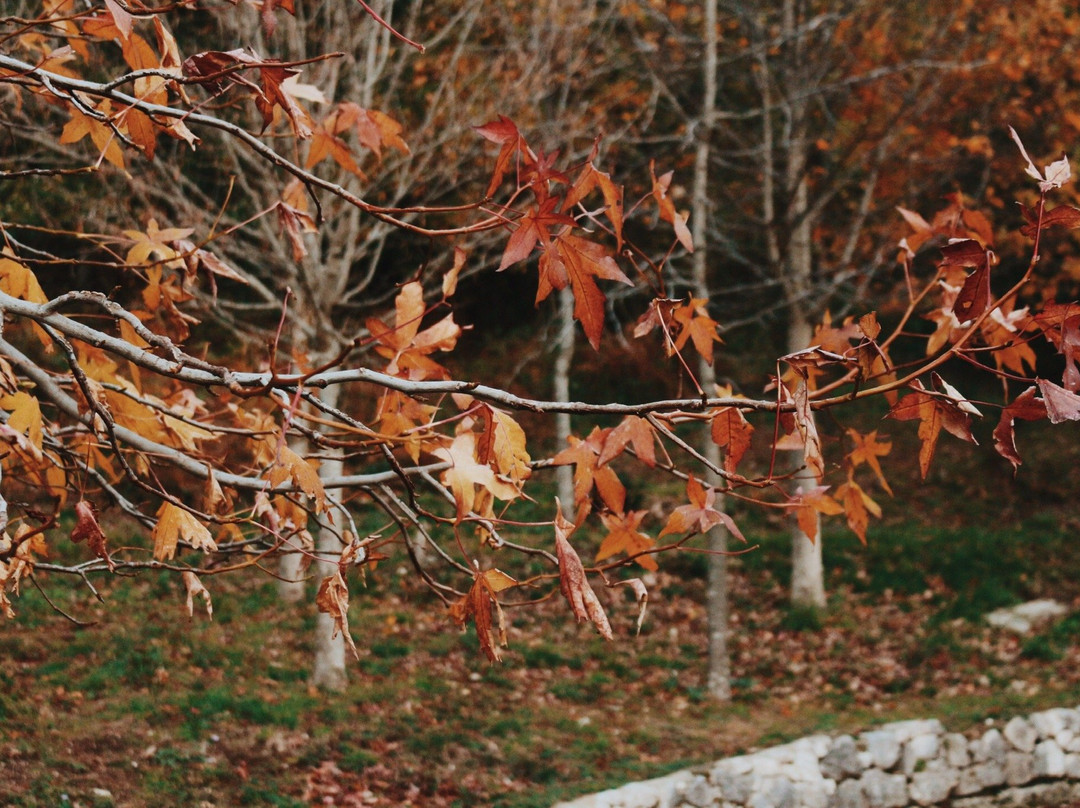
[[292, 466], [700, 516], [572, 581], [465, 473], [195, 589], [867, 449], [175, 524], [333, 599], [641, 595], [87, 528]]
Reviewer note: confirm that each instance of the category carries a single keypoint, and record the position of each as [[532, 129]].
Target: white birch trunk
[[718, 679], [564, 358]]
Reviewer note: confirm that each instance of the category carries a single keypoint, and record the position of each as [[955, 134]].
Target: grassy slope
[[160, 710]]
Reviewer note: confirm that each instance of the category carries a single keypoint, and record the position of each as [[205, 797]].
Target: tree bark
[[564, 357], [328, 672], [718, 680]]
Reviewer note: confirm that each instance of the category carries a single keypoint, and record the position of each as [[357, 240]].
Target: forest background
[[771, 173]]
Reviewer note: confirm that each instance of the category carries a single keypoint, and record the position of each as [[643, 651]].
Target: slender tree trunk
[[564, 358], [329, 670], [807, 570], [718, 679]]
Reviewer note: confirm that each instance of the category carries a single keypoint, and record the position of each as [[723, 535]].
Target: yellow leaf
[[175, 524], [18, 281], [25, 417], [303, 474]]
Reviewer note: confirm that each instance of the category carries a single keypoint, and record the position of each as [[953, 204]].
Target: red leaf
[[572, 581], [1025, 407], [1061, 404]]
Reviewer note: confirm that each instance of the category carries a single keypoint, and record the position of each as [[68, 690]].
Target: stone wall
[[1028, 761]]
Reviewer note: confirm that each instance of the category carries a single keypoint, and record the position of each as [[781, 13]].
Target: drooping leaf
[[89, 530], [932, 412], [731, 431], [867, 449], [333, 599], [1025, 407], [1061, 404], [572, 580], [195, 588], [631, 431], [858, 507]]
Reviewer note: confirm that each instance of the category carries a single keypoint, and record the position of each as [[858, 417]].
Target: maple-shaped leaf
[[504, 133], [623, 536], [89, 530], [478, 603], [572, 580], [809, 504], [326, 145], [589, 179], [407, 347], [465, 473], [195, 589], [585, 456], [700, 515], [1063, 216], [1025, 407], [667, 208], [533, 228], [291, 466], [174, 524], [580, 262], [867, 449], [502, 445], [333, 599], [857, 507], [695, 324], [104, 138], [730, 431], [1061, 404], [933, 413], [631, 431]]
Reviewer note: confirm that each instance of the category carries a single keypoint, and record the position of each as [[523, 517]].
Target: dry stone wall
[[1027, 761]]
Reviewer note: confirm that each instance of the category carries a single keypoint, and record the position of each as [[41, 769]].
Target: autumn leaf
[[477, 604], [631, 431], [534, 228], [589, 179], [24, 416], [730, 431], [623, 536], [807, 429], [1025, 407], [1061, 404], [502, 444], [195, 588], [808, 504], [333, 599], [291, 466], [933, 413], [89, 530], [504, 133], [700, 515], [858, 507], [466, 473], [174, 524], [694, 324], [588, 473], [667, 208], [867, 449], [572, 581]]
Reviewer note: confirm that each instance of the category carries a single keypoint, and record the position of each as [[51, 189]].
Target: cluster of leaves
[[103, 405]]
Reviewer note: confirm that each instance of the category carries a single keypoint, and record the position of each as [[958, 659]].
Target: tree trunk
[[718, 680], [329, 672], [564, 357], [807, 571]]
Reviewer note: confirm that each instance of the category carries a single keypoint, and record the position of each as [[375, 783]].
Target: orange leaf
[[731, 431], [624, 536], [174, 525]]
